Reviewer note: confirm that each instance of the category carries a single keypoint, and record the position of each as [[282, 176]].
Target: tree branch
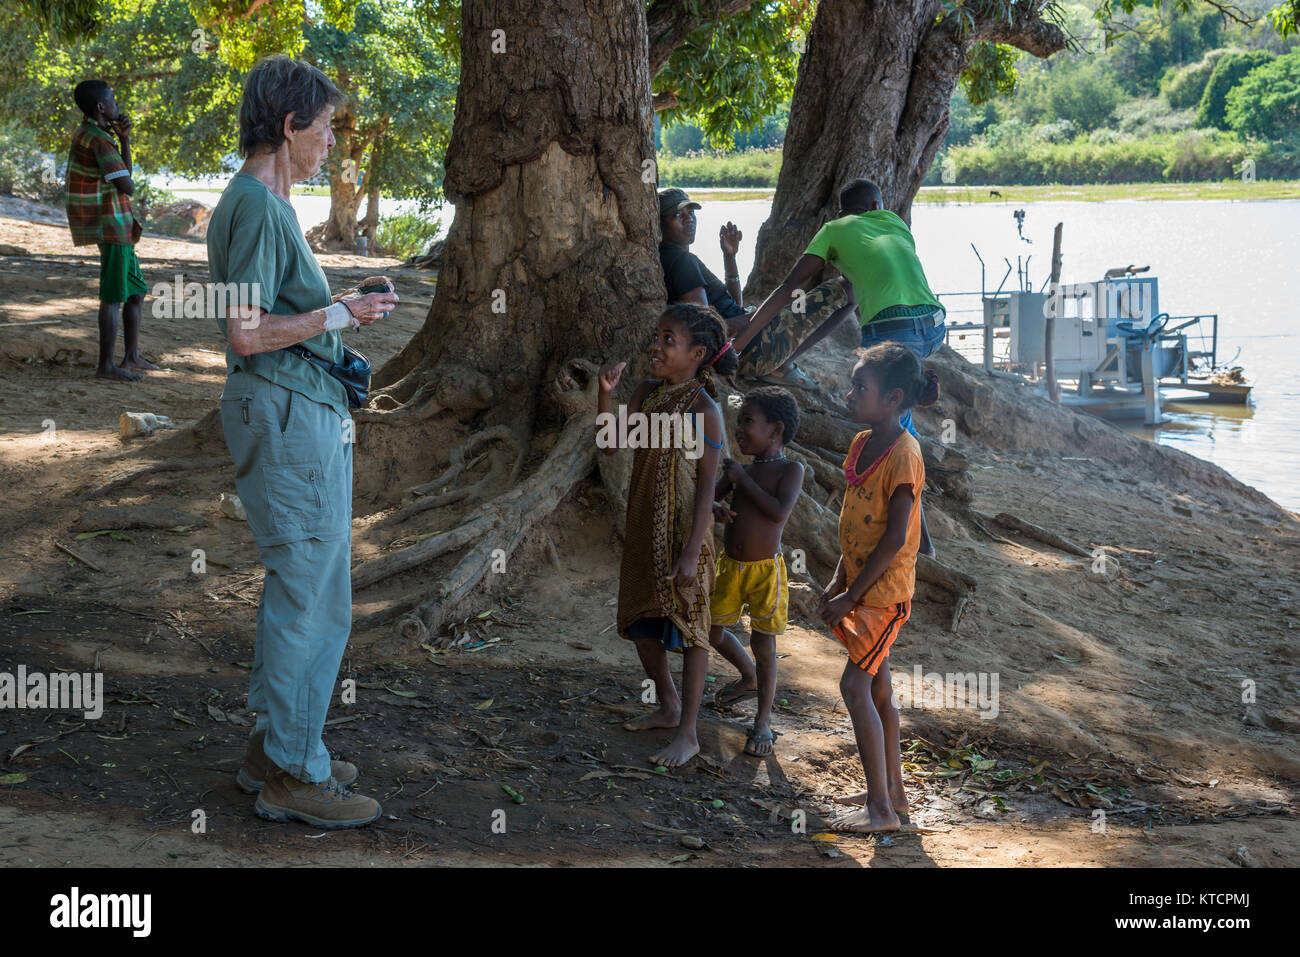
[[1026, 29], [670, 22]]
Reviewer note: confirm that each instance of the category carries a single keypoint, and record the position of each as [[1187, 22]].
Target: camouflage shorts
[[778, 340]]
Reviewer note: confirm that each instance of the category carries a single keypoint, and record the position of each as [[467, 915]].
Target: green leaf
[[18, 778]]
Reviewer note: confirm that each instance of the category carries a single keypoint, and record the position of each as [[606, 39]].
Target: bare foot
[[679, 751], [121, 375], [138, 362], [661, 717], [898, 800], [900, 805], [865, 821]]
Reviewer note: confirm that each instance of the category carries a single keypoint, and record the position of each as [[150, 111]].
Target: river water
[[1233, 258], [1237, 259]]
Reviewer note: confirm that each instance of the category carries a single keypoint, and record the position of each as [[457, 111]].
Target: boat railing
[[1200, 344]]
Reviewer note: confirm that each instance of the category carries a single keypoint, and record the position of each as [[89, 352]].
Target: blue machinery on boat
[[1110, 338]]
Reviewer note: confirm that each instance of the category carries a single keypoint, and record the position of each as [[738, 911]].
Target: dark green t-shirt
[[254, 237], [876, 252]]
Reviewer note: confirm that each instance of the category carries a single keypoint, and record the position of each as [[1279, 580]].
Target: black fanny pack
[[353, 373]]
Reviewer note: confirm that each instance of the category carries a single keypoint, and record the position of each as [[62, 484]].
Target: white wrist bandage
[[338, 316]]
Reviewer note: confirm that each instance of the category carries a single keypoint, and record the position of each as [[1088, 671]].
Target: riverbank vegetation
[[1176, 97]]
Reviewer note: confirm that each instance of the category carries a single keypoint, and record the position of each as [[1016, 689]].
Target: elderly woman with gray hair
[[287, 423]]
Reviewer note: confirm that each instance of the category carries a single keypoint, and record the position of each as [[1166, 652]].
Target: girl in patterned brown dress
[[666, 577]]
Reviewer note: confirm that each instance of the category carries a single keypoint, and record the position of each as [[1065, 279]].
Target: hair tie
[[720, 352]]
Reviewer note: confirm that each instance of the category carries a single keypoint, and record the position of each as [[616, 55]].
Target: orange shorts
[[868, 633]]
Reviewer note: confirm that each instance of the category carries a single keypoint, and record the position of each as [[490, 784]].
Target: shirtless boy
[[751, 570]]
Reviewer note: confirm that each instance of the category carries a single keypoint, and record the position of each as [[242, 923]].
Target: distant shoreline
[[1234, 190]]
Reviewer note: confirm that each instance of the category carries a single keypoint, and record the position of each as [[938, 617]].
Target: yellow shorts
[[763, 585]]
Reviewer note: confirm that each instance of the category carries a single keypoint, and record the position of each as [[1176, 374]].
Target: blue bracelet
[[707, 441]]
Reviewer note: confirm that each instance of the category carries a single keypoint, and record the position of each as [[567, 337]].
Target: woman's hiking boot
[[257, 766], [328, 805]]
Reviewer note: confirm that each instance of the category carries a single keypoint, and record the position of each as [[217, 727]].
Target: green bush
[[1266, 103], [147, 195], [1184, 86], [1189, 155], [407, 234], [1277, 160], [1062, 131], [750, 168], [682, 138], [1228, 72], [1078, 90], [1149, 115], [26, 171], [1198, 155]]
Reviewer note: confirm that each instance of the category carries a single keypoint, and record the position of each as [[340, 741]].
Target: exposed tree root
[[826, 474], [497, 528], [959, 583], [503, 471], [130, 475], [457, 459], [958, 607], [1038, 533], [936, 573]]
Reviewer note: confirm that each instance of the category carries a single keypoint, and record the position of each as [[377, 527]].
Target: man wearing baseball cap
[[688, 279], [765, 357]]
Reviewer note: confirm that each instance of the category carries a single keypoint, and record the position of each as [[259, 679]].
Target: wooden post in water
[[1053, 290]]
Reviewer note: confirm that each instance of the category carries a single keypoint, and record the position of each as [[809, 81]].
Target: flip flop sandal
[[733, 697], [752, 737]]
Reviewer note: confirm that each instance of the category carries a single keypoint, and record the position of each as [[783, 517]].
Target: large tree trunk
[[552, 253], [871, 101], [551, 258]]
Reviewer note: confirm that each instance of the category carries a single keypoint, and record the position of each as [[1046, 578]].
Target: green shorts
[[777, 341], [119, 274]]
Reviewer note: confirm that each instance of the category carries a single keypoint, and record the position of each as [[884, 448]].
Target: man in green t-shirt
[[874, 251]]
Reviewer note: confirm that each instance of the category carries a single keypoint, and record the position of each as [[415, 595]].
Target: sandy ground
[[1120, 691]]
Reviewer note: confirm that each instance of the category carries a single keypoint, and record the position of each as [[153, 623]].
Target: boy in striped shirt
[[98, 200]]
